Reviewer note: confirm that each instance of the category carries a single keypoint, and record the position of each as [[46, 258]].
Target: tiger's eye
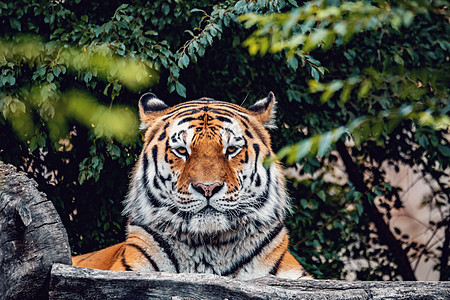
[[181, 151], [231, 150]]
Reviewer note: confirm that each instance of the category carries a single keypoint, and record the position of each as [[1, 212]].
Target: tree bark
[[445, 270], [69, 282], [384, 233], [32, 237]]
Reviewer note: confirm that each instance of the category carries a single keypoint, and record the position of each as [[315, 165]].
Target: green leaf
[[50, 77], [181, 89], [377, 191], [41, 141], [304, 203], [184, 61], [197, 10], [303, 149], [364, 89], [325, 143], [321, 194], [33, 144], [354, 216], [445, 150], [99, 30], [122, 6], [113, 150], [315, 74], [293, 63], [314, 204], [108, 26], [56, 71], [87, 77], [166, 9], [15, 24], [359, 208]]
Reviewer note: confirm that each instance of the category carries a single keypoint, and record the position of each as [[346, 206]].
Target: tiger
[[201, 199]]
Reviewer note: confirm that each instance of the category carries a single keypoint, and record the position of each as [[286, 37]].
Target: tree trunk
[[384, 233], [32, 237]]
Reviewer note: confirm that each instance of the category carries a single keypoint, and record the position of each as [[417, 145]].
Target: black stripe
[[188, 119], [155, 161], [258, 181], [248, 134], [125, 265], [153, 201], [264, 197], [212, 103], [275, 268], [192, 107], [145, 167], [245, 260], [246, 119], [155, 183], [152, 134], [146, 256], [214, 240], [155, 157], [205, 264], [229, 130], [164, 245], [116, 254], [228, 106], [178, 113], [223, 119], [162, 136], [256, 148], [222, 111]]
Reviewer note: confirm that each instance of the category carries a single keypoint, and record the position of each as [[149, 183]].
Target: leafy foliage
[[375, 70], [391, 88]]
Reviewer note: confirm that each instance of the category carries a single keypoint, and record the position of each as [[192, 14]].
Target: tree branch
[[384, 233], [445, 270]]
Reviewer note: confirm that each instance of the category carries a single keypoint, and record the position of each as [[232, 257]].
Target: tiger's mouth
[[208, 209], [216, 205], [209, 212]]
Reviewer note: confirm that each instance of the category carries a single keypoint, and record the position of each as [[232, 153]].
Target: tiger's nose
[[207, 189]]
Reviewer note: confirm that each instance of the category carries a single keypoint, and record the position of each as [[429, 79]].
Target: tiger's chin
[[209, 222]]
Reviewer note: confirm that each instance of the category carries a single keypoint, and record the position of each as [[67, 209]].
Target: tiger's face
[[201, 170]]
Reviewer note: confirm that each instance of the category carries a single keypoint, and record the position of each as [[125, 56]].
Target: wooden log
[[69, 282], [32, 237]]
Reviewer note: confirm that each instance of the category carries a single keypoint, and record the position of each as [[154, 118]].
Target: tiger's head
[[201, 170]]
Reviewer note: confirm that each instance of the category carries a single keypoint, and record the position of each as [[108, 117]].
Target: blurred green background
[[360, 86]]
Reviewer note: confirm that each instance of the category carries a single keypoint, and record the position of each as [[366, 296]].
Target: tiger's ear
[[150, 108], [264, 110]]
